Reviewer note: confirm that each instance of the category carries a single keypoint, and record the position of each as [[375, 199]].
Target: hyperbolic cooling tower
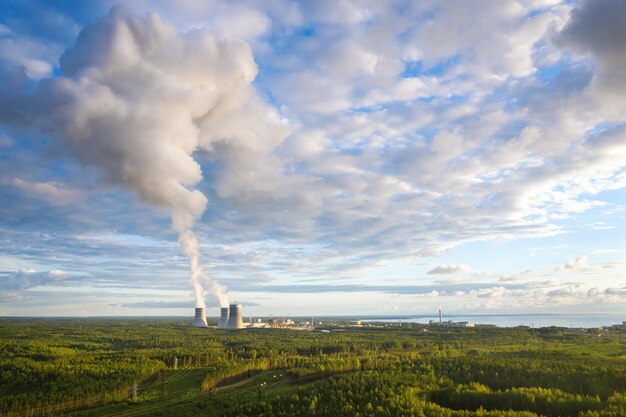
[[223, 318], [235, 320], [200, 319]]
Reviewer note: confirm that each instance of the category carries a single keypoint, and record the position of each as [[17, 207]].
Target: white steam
[[189, 243], [136, 100]]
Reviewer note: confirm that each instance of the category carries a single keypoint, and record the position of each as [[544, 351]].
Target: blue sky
[[327, 157]]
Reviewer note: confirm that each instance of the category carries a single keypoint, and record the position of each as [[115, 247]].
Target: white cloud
[[495, 293], [346, 12], [431, 294], [13, 286], [51, 191], [498, 42], [450, 270], [539, 298], [26, 53], [576, 263], [240, 22], [139, 99]]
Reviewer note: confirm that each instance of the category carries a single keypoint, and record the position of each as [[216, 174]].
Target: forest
[[165, 367]]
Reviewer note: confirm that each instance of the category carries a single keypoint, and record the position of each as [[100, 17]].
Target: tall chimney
[[200, 319], [235, 321], [223, 318], [439, 315]]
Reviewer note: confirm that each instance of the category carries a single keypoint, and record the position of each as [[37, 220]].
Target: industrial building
[[230, 317], [451, 323], [619, 326], [223, 318], [199, 319], [235, 320]]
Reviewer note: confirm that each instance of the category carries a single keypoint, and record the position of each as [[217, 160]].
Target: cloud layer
[[328, 142]]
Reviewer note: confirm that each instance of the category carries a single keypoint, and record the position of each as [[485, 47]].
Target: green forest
[[165, 367]]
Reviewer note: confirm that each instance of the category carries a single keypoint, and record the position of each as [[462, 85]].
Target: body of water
[[513, 320]]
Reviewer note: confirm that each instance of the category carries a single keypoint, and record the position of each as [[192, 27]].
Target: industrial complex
[[231, 318]]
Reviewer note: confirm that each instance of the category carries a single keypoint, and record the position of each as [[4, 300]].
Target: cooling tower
[[223, 318], [200, 319], [234, 318]]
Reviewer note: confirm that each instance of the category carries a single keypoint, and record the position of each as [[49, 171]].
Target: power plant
[[223, 318], [200, 318], [235, 320], [230, 317]]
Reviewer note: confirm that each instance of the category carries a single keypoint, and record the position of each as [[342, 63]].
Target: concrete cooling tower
[[223, 318], [200, 319], [235, 320]]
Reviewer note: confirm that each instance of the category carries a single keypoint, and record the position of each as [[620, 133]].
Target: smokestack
[[235, 320], [157, 164], [223, 318], [439, 315], [200, 319]]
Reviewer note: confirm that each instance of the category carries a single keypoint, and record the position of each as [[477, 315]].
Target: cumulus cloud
[[530, 295], [136, 99], [494, 292], [447, 35], [576, 263], [450, 270], [569, 291], [451, 163]]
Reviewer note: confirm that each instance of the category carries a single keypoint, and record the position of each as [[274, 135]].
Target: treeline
[[578, 374], [404, 392], [229, 373], [55, 407], [550, 402], [368, 393], [433, 382], [28, 383], [397, 371]]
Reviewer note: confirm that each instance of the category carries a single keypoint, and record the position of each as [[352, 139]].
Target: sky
[[312, 157]]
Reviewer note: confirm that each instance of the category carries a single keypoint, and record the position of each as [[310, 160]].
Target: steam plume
[[136, 100]]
